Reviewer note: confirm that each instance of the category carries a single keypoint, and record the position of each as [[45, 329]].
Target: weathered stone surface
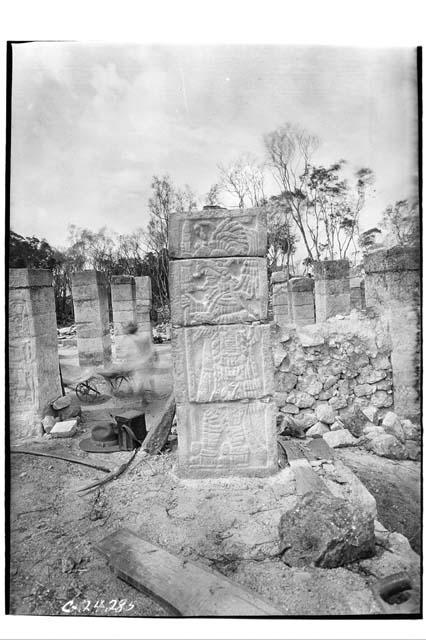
[[371, 413], [289, 408], [354, 420], [48, 423], [338, 402], [91, 314], [325, 413], [317, 430], [388, 446], [143, 302], [279, 276], [311, 384], [411, 431], [310, 337], [371, 431], [391, 424], [280, 398], [339, 438], [368, 375], [336, 426], [217, 233], [278, 355], [381, 362], [226, 438], [301, 399], [61, 403], [217, 363], [329, 382], [393, 292], [381, 399], [364, 390], [218, 291], [413, 450], [325, 531], [33, 351], [305, 420]]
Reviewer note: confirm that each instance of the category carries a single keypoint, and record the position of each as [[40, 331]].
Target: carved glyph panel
[[219, 291], [217, 233], [217, 363], [227, 438]]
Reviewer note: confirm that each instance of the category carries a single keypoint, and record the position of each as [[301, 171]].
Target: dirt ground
[[55, 568]]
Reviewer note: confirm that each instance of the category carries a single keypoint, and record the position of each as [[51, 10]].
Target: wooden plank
[[159, 432], [182, 586], [318, 449]]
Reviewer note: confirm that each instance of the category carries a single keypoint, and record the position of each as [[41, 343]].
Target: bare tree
[[244, 179], [212, 197], [289, 151]]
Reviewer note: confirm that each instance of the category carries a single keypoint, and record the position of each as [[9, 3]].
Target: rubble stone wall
[[341, 363], [123, 298], [34, 379], [221, 348]]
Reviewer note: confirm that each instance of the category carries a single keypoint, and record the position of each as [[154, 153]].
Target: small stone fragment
[[413, 450], [301, 399], [371, 413], [411, 431], [289, 408], [325, 413], [48, 423], [340, 438], [338, 402], [381, 399], [391, 424], [387, 446], [329, 382], [64, 429], [371, 431], [61, 403], [318, 430], [336, 426], [364, 390]]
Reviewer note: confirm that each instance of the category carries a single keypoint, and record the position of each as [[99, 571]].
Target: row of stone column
[[131, 299], [306, 300], [34, 377]]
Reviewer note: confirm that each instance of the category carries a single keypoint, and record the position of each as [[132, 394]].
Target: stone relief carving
[[227, 362], [218, 291]]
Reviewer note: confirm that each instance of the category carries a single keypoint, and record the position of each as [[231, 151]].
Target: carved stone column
[[223, 374]]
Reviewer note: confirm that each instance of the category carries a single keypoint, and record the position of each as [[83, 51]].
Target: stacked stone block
[[34, 379], [90, 299], [332, 289], [392, 289], [302, 305], [123, 297], [223, 375], [280, 297], [143, 294], [357, 293]]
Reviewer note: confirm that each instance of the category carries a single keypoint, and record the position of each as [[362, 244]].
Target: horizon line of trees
[[315, 205]]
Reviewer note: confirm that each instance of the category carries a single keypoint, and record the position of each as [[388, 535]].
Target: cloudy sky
[[92, 123]]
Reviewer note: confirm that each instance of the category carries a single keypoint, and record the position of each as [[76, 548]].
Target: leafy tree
[[323, 204], [401, 223]]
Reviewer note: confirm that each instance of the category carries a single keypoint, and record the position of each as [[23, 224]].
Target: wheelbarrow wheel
[[87, 391]]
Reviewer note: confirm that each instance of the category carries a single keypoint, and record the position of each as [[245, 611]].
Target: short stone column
[[302, 305], [392, 289], [280, 297], [90, 299], [222, 360], [34, 379], [143, 303], [357, 292], [123, 298], [332, 290]]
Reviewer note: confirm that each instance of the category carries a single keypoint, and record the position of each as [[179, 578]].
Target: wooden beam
[[180, 585]]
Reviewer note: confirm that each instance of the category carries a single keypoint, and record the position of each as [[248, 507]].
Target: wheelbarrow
[[91, 384]]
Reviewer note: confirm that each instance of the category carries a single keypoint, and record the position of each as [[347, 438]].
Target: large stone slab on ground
[[217, 233], [218, 291], [388, 446], [325, 531], [226, 439], [219, 363]]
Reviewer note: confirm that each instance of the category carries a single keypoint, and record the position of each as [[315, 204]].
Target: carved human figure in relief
[[227, 438], [221, 292], [210, 238], [229, 367]]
